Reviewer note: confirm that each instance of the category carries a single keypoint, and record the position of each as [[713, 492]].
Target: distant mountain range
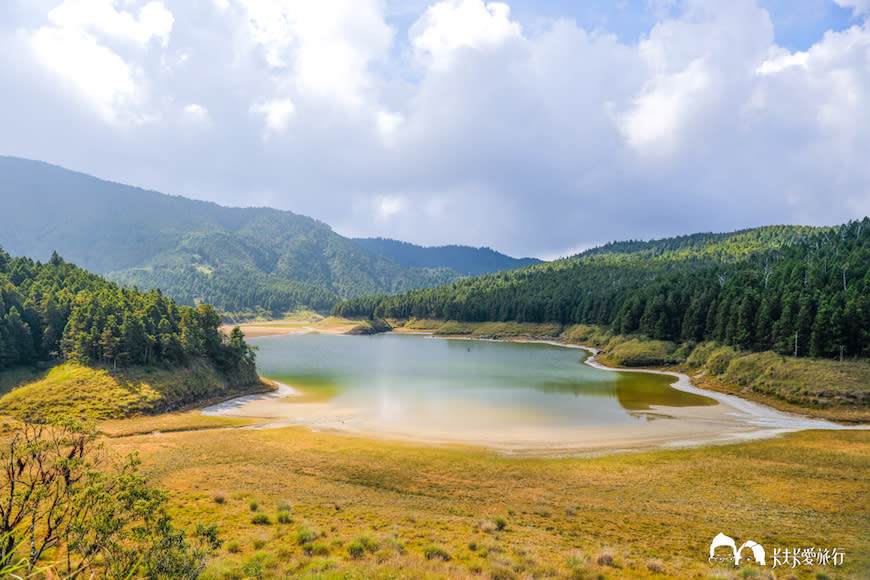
[[242, 260], [463, 259]]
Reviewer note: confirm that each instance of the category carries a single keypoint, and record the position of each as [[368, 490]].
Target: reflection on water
[[459, 384]]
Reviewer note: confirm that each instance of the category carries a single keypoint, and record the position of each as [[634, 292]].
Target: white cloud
[[221, 5], [454, 24], [388, 206], [197, 113], [857, 6], [388, 123], [101, 16], [661, 111], [102, 77], [781, 61], [327, 46], [469, 128], [74, 48], [277, 115]]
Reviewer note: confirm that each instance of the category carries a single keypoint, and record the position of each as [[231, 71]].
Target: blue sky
[[799, 23], [533, 127]]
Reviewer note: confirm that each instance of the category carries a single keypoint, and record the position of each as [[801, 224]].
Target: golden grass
[[101, 393], [640, 353], [560, 517], [189, 421]]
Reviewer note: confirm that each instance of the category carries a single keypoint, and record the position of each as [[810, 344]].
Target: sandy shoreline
[[732, 419], [281, 327]]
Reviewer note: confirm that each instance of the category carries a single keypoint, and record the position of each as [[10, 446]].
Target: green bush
[[261, 520], [453, 327], [436, 553], [356, 550], [719, 359], [638, 353], [500, 523], [316, 549], [305, 535]]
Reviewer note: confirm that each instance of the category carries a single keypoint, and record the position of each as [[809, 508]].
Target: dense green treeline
[[58, 311], [788, 289]]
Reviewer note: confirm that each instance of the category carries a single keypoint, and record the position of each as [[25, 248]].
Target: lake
[[459, 385]]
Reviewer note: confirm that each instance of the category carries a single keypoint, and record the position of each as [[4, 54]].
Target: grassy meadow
[[291, 503], [296, 504]]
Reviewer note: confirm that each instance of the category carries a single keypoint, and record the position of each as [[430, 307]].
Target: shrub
[[500, 523], [368, 543], [220, 498], [638, 353], [261, 520], [453, 327], [502, 574], [233, 547], [355, 550], [655, 566], [699, 356], [253, 505], [284, 506], [259, 544], [605, 559], [305, 535], [316, 549], [253, 568], [284, 518], [436, 553], [719, 359]]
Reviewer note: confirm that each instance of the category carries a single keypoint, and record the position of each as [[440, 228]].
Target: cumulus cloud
[[455, 24], [326, 46], [460, 124], [277, 114], [152, 21], [73, 45], [196, 113], [858, 6]]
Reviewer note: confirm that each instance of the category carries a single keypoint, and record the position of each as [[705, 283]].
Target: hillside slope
[[195, 251], [784, 288], [463, 259], [123, 351]]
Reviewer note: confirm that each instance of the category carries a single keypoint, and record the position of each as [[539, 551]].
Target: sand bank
[[732, 419], [277, 327]]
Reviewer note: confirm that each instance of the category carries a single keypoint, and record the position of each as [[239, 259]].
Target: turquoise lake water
[[459, 384]]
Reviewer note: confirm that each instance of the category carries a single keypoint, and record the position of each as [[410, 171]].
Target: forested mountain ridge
[[57, 311], [463, 259], [235, 258], [724, 247], [783, 288]]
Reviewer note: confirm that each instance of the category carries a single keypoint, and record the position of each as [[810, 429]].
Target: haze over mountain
[[239, 259], [463, 259]]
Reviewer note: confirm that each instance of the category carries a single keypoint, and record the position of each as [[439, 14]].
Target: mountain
[[790, 289], [463, 259], [239, 259]]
